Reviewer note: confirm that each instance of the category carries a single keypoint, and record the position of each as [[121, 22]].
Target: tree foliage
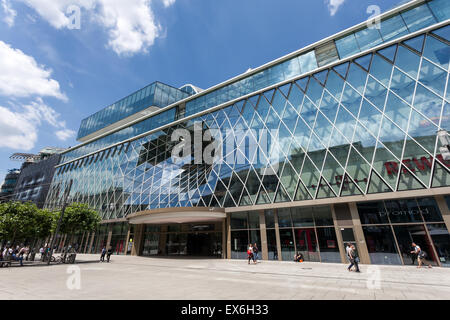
[[78, 217], [21, 221]]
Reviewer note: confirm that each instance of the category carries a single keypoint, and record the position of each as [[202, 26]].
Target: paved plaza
[[127, 277]]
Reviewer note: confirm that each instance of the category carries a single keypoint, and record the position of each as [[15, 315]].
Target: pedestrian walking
[[421, 256], [354, 259], [250, 252], [255, 253], [102, 256], [348, 250], [108, 254]]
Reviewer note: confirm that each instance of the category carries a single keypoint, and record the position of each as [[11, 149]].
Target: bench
[[8, 261]]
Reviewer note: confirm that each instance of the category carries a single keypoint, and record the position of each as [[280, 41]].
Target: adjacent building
[[336, 142], [7, 188], [36, 175]]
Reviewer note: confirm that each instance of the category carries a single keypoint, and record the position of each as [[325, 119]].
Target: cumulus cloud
[[19, 129], [22, 76], [9, 13], [334, 5], [130, 24]]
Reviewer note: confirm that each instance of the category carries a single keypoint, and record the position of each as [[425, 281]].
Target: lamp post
[[444, 138]]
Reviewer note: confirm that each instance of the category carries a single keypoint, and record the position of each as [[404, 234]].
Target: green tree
[[21, 221], [78, 217]]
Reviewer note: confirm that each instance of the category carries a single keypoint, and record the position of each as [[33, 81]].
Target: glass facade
[[391, 226], [314, 127], [308, 230], [156, 94], [361, 127]]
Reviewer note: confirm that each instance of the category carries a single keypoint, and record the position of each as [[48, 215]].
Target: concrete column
[[224, 239], [82, 240], [228, 236], [126, 241], [108, 241], [339, 236], [138, 239], [445, 210], [359, 234], [262, 226], [277, 235]]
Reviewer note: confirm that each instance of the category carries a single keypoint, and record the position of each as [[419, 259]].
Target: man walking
[[255, 253], [354, 259], [102, 256], [109, 253], [421, 256]]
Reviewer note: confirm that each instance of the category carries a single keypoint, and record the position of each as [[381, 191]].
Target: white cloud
[[168, 3], [21, 76], [130, 24], [10, 13], [19, 130], [65, 134], [333, 5]]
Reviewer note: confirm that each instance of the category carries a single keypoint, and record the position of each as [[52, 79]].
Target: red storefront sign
[[414, 164]]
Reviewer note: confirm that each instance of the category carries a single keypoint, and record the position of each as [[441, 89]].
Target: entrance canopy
[[177, 215]]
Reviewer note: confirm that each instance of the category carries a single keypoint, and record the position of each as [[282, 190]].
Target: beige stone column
[[277, 235], [108, 241], [126, 241], [359, 234], [224, 239], [445, 211], [340, 241], [138, 238], [262, 228], [228, 236]]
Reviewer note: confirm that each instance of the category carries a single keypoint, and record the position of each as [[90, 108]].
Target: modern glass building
[[336, 142]]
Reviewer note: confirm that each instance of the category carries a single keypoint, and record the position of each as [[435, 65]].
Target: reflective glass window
[[418, 18], [393, 28], [302, 217], [372, 212], [308, 62], [441, 240], [400, 211], [253, 220], [239, 220], [329, 250], [406, 235], [430, 210], [440, 8], [287, 244], [239, 244], [437, 51], [306, 244], [284, 218], [381, 245], [323, 216], [272, 244], [347, 46], [368, 38]]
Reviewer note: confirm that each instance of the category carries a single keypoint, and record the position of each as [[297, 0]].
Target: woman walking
[[250, 253]]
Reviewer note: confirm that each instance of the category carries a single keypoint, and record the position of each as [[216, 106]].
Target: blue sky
[[52, 75]]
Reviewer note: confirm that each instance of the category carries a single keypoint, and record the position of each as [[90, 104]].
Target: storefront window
[[306, 244], [402, 211], [372, 212], [151, 244], [239, 243], [255, 237], [270, 218], [329, 250], [302, 217], [322, 216], [272, 244], [447, 199], [253, 220], [287, 245], [239, 220], [441, 240], [284, 218], [430, 210], [406, 235], [381, 245]]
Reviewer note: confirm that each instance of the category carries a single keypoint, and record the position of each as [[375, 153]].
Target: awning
[[177, 215]]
